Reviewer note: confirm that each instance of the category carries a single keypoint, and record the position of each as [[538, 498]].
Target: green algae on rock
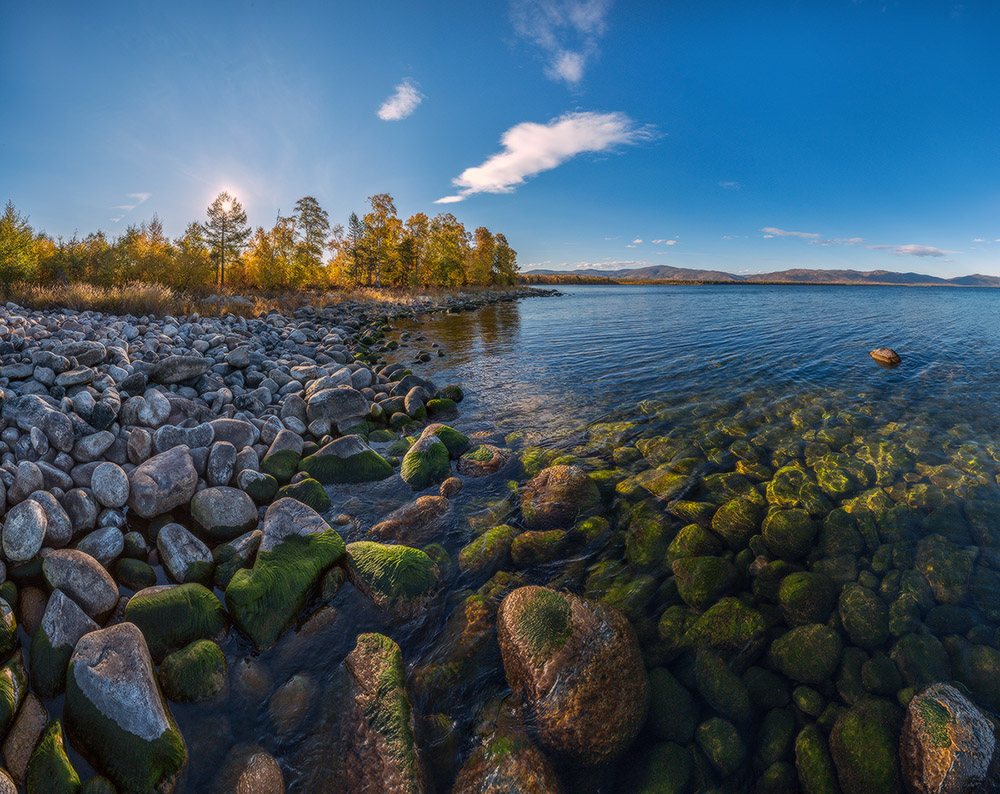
[[396, 578], [345, 460], [171, 617], [558, 496], [809, 653], [488, 552], [308, 491], [426, 463], [297, 547], [576, 669], [116, 716], [62, 625], [50, 770], [864, 744], [195, 673]]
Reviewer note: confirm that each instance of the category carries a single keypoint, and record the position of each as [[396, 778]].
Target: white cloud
[[636, 241], [770, 231], [979, 240], [137, 199], [730, 185], [670, 242], [566, 31], [530, 148], [919, 250], [402, 103]]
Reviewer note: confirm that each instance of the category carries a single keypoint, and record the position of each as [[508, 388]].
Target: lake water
[[684, 403]]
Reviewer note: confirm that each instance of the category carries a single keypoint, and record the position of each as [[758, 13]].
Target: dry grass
[[140, 298]]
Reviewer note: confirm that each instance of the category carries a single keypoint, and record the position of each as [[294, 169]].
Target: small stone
[[110, 485]]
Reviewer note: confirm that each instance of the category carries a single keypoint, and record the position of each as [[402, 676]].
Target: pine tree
[[226, 231]]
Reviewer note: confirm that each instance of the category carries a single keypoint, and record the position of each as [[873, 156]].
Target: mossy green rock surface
[[281, 464], [722, 744], [134, 574], [813, 762], [427, 462], [309, 492], [173, 617], [13, 688], [115, 715], [667, 770], [62, 625], [49, 770], [809, 654], [296, 549], [864, 615], [576, 668], [194, 673], [673, 713], [557, 497], [701, 581], [488, 552], [806, 597], [864, 744], [347, 459], [789, 533], [397, 578]]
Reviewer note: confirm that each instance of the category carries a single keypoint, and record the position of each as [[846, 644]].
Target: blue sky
[[727, 135]]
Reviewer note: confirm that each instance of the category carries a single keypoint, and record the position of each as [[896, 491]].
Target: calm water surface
[[657, 390]]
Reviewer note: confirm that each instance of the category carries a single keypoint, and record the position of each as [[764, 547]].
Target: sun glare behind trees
[[301, 250]]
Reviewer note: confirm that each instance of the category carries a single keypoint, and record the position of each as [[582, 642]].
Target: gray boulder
[[162, 483], [83, 579]]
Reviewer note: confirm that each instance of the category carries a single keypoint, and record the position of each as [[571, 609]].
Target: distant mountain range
[[795, 276]]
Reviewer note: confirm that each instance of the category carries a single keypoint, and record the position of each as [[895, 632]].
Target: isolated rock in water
[[417, 522], [377, 731], [426, 463], [557, 496], [886, 356], [63, 624], [297, 547], [163, 482], [576, 668], [347, 459], [116, 716], [948, 745]]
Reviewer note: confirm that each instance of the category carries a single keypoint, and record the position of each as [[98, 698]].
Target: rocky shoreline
[[180, 519]]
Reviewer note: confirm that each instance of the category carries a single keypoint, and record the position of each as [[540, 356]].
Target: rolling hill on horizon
[[793, 276]]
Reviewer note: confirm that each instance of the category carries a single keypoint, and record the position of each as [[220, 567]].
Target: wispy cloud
[[914, 250], [664, 242], [770, 231], [636, 241], [566, 31], [402, 103], [730, 185], [530, 148], [137, 199]]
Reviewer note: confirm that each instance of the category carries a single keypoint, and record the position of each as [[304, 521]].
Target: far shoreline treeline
[[301, 251], [568, 279]]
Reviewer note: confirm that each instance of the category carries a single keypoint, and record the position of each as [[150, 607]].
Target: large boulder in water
[[576, 669], [116, 716], [346, 459], [557, 496], [948, 746], [297, 546], [377, 730], [163, 482], [885, 356]]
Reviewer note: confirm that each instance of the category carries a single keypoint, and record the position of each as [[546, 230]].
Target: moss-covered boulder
[[346, 459], [673, 713], [576, 669], [222, 513], [921, 659], [947, 567], [737, 521], [693, 541], [457, 443], [174, 616], [483, 460], [488, 552], [777, 733], [557, 497], [813, 762], [864, 615], [49, 770], [62, 625], [733, 629], [426, 463], [809, 653], [308, 491], [115, 715], [722, 689], [507, 763], [134, 574], [536, 547], [296, 549], [789, 534], [195, 673], [722, 745], [947, 743], [399, 579], [377, 737], [701, 581], [647, 533], [864, 744], [666, 769], [282, 458], [806, 597], [13, 688], [259, 486]]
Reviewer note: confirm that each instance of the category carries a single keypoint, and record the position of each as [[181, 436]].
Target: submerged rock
[[886, 356], [948, 745], [558, 496], [576, 668]]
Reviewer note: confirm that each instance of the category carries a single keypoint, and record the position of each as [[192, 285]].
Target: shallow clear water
[[655, 391]]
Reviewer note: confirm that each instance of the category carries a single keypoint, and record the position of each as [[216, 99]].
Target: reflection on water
[[702, 412]]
